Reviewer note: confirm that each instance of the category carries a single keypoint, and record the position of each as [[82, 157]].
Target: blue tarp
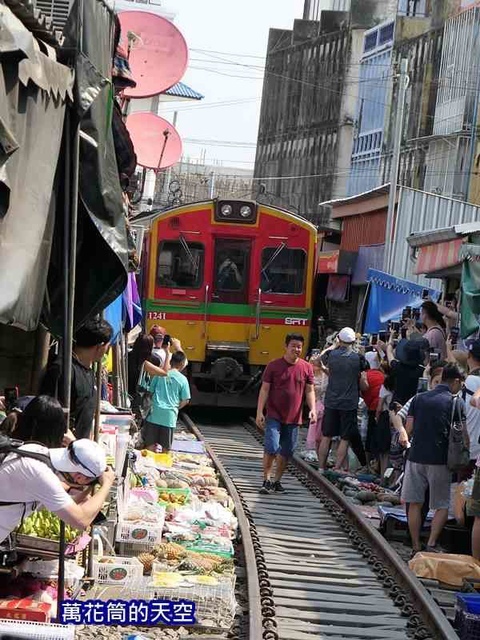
[[389, 296], [126, 311], [114, 315]]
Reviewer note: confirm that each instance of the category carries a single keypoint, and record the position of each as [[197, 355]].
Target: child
[[314, 435]]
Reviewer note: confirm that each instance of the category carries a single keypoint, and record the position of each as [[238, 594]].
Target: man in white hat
[[344, 368], [28, 482]]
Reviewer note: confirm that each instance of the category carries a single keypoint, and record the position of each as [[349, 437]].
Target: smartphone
[[374, 339], [395, 326], [407, 313], [433, 357], [422, 385], [454, 333], [11, 396], [382, 336], [416, 314], [425, 294], [403, 333], [167, 341]]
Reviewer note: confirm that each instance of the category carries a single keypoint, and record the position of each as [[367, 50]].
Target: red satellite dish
[[158, 53], [157, 143]]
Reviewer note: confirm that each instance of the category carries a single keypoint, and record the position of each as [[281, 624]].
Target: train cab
[[230, 279]]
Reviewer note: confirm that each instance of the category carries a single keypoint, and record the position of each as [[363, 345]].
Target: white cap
[[347, 335], [373, 360], [81, 456]]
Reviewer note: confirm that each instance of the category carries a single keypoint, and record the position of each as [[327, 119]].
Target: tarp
[[470, 298], [102, 252], [34, 88], [369, 257], [113, 314], [389, 296], [132, 304]]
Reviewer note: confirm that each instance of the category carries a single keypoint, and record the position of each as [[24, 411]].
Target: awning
[[440, 255], [336, 262], [328, 261]]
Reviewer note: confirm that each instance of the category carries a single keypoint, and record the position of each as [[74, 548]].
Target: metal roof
[[366, 195], [423, 238], [181, 90]]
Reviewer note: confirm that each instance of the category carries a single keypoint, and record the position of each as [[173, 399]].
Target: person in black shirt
[[429, 421], [407, 366], [90, 345]]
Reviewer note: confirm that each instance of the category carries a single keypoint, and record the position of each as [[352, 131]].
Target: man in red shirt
[[286, 382]]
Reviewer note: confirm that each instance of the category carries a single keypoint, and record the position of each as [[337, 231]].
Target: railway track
[[315, 567]]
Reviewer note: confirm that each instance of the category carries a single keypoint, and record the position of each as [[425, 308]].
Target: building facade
[[306, 120]]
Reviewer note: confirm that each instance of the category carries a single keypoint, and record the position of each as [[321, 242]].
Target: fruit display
[[44, 524], [174, 496]]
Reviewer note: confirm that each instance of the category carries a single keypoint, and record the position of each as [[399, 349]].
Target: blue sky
[[227, 41]]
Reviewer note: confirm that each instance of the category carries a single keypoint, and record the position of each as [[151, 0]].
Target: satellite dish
[[156, 141], [158, 53]]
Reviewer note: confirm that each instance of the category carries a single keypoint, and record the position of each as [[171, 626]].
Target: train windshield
[[180, 264], [283, 270]]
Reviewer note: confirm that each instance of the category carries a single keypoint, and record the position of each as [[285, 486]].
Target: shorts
[[280, 438], [338, 422], [473, 503], [420, 477], [156, 434]]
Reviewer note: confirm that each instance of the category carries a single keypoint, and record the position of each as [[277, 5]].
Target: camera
[[422, 385]]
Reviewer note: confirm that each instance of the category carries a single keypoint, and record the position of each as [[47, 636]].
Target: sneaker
[[278, 487], [267, 487]]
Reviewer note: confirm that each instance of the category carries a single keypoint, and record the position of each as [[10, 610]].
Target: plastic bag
[[447, 568]]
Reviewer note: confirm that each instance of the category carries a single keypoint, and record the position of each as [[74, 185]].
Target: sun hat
[[81, 456], [347, 335]]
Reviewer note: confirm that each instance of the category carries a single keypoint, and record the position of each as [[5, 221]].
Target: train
[[229, 278]]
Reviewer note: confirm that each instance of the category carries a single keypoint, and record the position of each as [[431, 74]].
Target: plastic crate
[[145, 533], [118, 571]]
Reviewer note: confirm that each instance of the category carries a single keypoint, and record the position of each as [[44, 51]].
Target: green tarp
[[470, 305]]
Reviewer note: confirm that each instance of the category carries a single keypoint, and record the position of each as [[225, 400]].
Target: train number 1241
[[156, 315]]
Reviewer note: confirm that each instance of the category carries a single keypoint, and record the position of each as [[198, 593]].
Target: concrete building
[[309, 103]]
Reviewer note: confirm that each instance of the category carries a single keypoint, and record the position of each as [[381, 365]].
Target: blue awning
[[181, 90]]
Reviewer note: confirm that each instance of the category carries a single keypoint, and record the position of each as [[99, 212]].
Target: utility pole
[[168, 174], [395, 168]]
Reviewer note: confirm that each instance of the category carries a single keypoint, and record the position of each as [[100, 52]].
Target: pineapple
[[169, 551], [147, 560]]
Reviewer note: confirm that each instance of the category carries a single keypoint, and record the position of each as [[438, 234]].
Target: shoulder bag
[[458, 450]]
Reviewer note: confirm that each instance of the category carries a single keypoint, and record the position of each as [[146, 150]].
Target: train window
[[283, 270], [180, 264]]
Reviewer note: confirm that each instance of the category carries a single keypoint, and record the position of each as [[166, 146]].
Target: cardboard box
[[25, 609]]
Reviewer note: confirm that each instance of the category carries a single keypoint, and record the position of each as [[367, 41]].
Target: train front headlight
[[246, 211], [226, 210]]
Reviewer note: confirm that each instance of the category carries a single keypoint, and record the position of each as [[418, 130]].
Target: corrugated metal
[[370, 257], [181, 90], [363, 230], [420, 211], [458, 82]]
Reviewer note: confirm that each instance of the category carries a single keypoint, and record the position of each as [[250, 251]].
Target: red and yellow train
[[230, 279]]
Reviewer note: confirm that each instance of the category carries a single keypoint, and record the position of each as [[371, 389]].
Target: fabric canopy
[[389, 296], [440, 255], [470, 298], [34, 88], [102, 249]]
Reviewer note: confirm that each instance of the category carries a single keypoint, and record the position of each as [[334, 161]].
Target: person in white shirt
[[28, 483], [471, 387]]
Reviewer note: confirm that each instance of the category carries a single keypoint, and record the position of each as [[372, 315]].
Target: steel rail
[[255, 617], [431, 614]]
